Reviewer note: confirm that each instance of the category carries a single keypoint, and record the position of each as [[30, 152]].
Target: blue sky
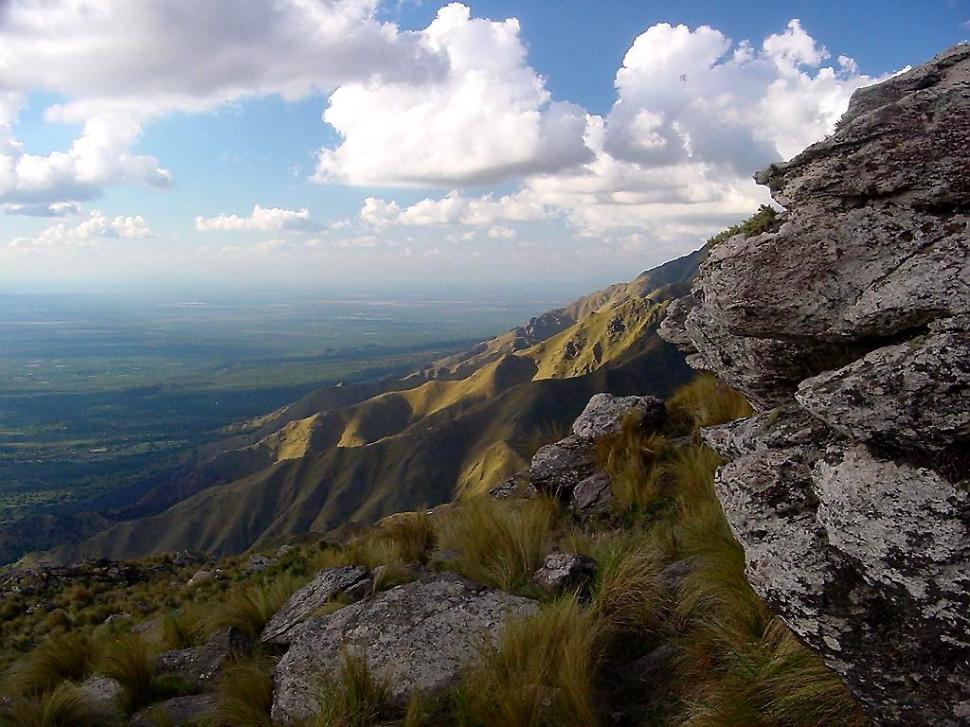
[[150, 143]]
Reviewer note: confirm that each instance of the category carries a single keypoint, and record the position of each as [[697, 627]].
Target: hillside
[[357, 453]]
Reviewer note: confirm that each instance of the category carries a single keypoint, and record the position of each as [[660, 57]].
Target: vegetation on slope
[[727, 661]]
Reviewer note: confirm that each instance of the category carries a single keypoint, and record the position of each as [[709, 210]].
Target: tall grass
[[183, 628], [541, 673], [65, 706], [353, 696], [130, 660], [246, 693], [627, 598], [498, 542], [705, 402], [248, 608], [68, 657]]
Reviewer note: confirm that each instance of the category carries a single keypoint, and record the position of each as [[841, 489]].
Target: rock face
[[327, 585], [848, 329], [419, 636]]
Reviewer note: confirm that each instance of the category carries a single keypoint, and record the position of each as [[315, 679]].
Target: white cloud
[[696, 115], [97, 226], [453, 209], [502, 233], [488, 118], [263, 219], [118, 64]]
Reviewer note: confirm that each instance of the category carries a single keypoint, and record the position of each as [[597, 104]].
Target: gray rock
[[848, 328], [201, 577], [565, 572], [103, 694], [557, 468], [327, 585], [284, 550], [190, 710], [259, 562], [605, 414], [913, 395], [593, 495], [200, 665], [419, 636], [517, 486]]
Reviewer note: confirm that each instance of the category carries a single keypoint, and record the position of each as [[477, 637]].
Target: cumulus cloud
[[695, 116], [262, 219], [118, 64], [488, 118], [97, 226]]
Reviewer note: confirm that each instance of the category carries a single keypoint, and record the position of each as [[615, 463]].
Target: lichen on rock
[[847, 327]]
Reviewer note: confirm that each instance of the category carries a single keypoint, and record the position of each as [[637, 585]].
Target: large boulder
[[418, 636], [847, 327], [325, 587], [605, 414]]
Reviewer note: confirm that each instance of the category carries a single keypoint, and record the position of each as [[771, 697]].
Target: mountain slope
[[355, 454]]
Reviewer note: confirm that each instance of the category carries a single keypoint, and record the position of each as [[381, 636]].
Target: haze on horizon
[[238, 143]]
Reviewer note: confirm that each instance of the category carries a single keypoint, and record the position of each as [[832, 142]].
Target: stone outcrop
[[847, 328], [325, 587], [418, 636], [193, 709]]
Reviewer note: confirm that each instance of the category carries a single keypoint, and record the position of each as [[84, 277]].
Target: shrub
[[498, 543], [65, 706], [353, 697], [246, 693], [57, 659], [765, 219], [541, 673]]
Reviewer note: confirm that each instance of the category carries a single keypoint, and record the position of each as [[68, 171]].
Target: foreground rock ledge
[[847, 328], [419, 636]]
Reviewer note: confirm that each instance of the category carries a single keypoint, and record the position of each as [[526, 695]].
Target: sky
[[303, 144]]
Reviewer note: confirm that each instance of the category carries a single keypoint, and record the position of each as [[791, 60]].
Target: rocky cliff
[[848, 328]]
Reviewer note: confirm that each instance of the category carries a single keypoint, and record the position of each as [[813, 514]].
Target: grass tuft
[[541, 673], [246, 693], [248, 608], [353, 697], [65, 706], [496, 542], [68, 657], [130, 660], [705, 402]]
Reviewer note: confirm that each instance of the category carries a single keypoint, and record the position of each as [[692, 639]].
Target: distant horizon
[[405, 143]]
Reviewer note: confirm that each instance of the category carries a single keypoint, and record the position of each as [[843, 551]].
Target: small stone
[[565, 572], [593, 495]]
